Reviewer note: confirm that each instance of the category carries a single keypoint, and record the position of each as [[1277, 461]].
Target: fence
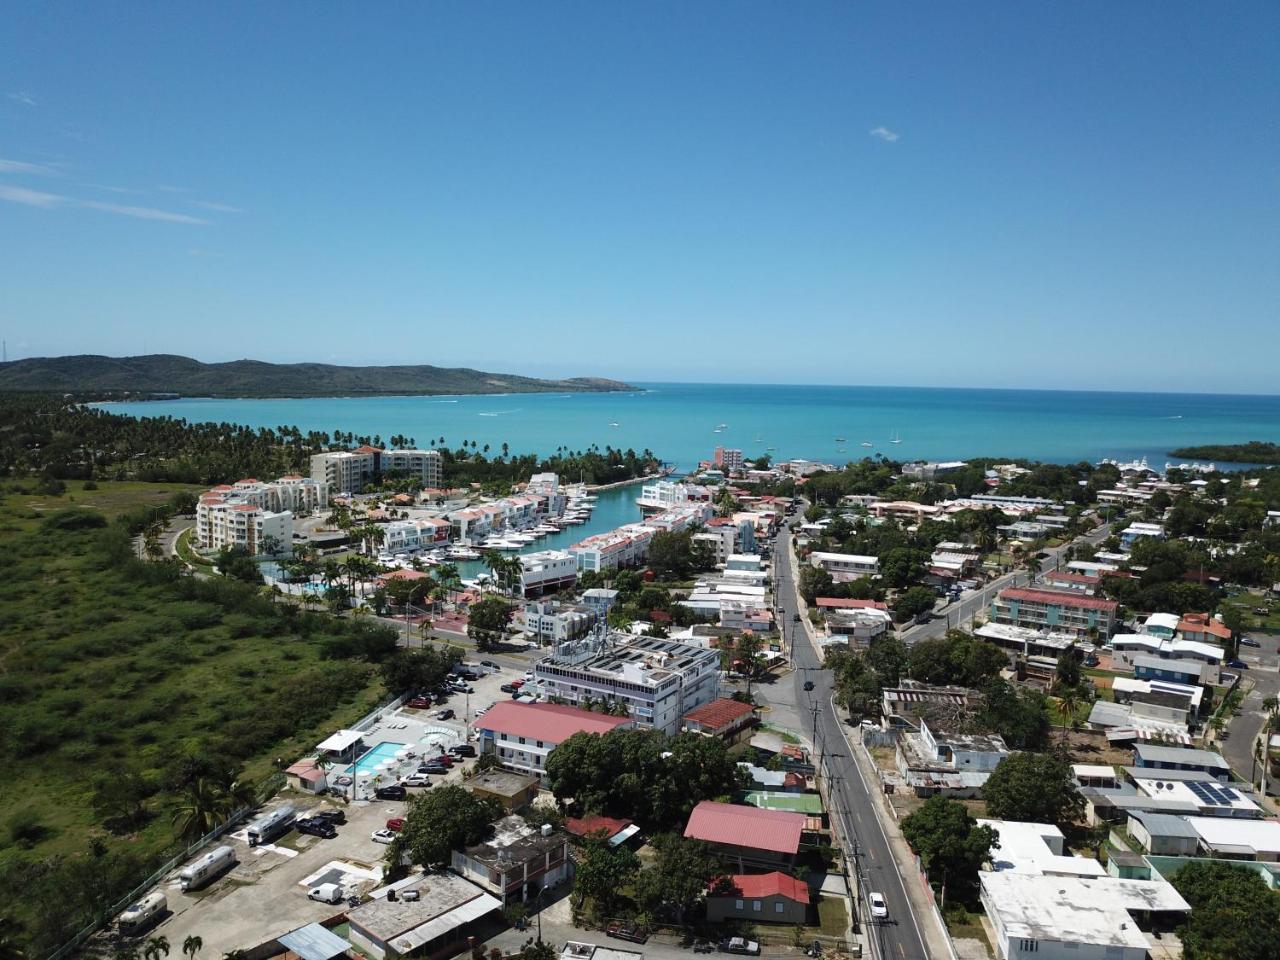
[[269, 787]]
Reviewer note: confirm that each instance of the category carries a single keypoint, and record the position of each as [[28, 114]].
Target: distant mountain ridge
[[170, 374]]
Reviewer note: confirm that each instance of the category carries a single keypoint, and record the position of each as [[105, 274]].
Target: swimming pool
[[368, 763]]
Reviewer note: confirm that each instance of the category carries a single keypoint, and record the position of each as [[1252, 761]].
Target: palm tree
[[448, 577], [495, 561], [156, 947], [1069, 701], [202, 808]]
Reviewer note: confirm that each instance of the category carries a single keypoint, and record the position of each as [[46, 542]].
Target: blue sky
[[1060, 195]]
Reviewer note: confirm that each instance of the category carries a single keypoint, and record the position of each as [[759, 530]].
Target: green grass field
[[109, 665]]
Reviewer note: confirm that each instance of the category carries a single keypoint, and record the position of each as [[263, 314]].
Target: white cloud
[[31, 198], [22, 97], [141, 213], [47, 201], [884, 133], [216, 207], [166, 188], [21, 166]]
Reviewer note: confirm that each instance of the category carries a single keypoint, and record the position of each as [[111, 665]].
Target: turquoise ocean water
[[678, 421]]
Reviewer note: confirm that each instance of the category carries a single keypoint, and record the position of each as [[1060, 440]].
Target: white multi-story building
[[628, 545], [348, 471], [233, 523], [846, 566], [658, 681], [665, 494], [522, 735], [549, 622], [408, 536], [547, 571]]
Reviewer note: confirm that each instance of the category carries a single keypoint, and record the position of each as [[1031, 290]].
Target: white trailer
[[142, 916], [204, 871], [271, 825]]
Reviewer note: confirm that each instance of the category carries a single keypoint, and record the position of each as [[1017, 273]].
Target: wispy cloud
[[22, 97], [31, 198], [216, 207], [47, 201], [140, 213], [884, 133], [33, 169], [167, 188]]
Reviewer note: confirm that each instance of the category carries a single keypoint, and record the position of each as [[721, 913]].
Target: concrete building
[[522, 735], [1151, 756], [1162, 625], [349, 471], [410, 536], [1235, 839], [728, 460], [547, 571], [512, 789], [844, 567], [657, 680], [551, 622], [223, 520], [1162, 834], [431, 914], [929, 471], [760, 898], [951, 764], [1053, 610], [517, 862], [599, 600], [1130, 534], [729, 720], [747, 835]]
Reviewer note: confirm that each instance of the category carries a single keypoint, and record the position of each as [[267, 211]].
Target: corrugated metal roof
[[739, 826], [314, 942]]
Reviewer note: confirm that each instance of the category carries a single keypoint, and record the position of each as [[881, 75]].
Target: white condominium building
[[547, 571], [658, 681], [251, 514], [846, 566], [348, 471], [408, 536]]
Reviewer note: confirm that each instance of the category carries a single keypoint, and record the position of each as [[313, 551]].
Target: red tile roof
[[845, 604], [549, 722], [756, 886], [586, 826], [738, 826], [1058, 597], [718, 714], [1202, 623], [365, 448]]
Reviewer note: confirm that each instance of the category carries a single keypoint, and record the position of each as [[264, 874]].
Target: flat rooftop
[[438, 895]]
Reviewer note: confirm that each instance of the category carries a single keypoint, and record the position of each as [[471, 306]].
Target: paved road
[[899, 938], [975, 601]]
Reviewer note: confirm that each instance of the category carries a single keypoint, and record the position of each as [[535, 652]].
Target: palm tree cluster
[[209, 796]]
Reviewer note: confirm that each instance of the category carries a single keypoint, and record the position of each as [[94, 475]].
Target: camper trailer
[[204, 871], [272, 825], [143, 915]]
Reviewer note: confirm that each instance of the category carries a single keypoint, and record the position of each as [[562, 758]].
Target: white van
[[326, 893], [203, 871], [142, 916], [272, 825]]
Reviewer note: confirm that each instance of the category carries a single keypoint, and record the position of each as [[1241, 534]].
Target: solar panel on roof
[[1229, 793]]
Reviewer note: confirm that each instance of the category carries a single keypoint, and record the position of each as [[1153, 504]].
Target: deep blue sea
[[678, 421]]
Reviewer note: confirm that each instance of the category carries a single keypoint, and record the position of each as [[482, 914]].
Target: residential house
[[513, 790], [771, 897], [1150, 756], [1054, 610], [518, 861], [729, 720], [1162, 834], [1203, 628], [768, 839], [952, 764], [844, 567]]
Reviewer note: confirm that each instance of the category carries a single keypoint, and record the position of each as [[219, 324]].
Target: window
[[737, 904], [778, 907], [1030, 946], [755, 905], [522, 741]]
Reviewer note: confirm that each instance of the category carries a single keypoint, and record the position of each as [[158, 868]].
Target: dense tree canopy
[[1033, 787], [1020, 716], [957, 658], [1234, 914], [442, 820], [950, 843]]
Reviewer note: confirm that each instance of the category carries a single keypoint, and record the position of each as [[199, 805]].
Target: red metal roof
[[365, 448], [549, 722], [586, 826], [845, 604], [739, 826], [756, 886], [718, 714], [1058, 597]]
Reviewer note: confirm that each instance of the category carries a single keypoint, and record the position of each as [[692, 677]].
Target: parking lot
[[265, 894]]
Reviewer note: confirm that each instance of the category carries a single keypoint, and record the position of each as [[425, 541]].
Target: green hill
[[168, 374]]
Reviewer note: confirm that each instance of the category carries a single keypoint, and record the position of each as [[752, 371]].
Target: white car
[[416, 780], [528, 675], [879, 909], [383, 836]]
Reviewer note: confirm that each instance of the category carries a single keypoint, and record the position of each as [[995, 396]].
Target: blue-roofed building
[[314, 942], [1150, 756]]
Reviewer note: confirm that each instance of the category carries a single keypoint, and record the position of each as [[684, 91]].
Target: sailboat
[[895, 438], [867, 443]]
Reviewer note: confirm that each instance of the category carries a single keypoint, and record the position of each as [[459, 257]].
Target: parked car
[[490, 664], [528, 674], [419, 703], [626, 930], [463, 750], [383, 836], [334, 816], [879, 909], [808, 685], [316, 827], [1249, 641], [445, 715], [518, 683], [326, 893], [443, 758], [739, 945], [393, 792], [417, 780], [1237, 664], [703, 946], [395, 824], [509, 688], [433, 767]]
